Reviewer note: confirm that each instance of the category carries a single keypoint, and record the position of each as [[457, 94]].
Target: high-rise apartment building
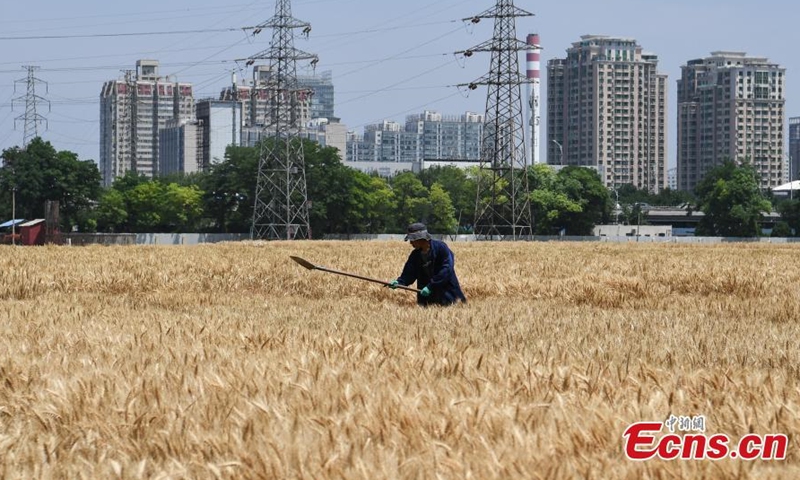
[[221, 125], [607, 108], [179, 148], [322, 99], [384, 148], [259, 96], [132, 111], [672, 179], [447, 137], [794, 148], [731, 107], [425, 139], [388, 142], [328, 132]]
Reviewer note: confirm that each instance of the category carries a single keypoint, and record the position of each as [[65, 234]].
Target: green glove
[[425, 292], [393, 284]]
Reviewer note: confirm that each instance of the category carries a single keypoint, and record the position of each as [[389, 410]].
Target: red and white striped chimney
[[534, 91]]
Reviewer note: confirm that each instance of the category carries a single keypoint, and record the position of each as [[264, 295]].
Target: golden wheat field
[[232, 361]]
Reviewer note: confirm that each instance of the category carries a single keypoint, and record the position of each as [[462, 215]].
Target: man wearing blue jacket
[[432, 266]]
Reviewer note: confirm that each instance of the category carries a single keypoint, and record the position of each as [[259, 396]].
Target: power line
[[402, 89], [213, 77], [84, 142], [374, 92], [382, 30], [400, 53], [5, 139], [206, 30], [71, 119], [130, 14], [159, 13], [412, 109], [210, 57], [89, 68], [208, 62], [215, 24], [377, 61], [117, 55], [353, 38], [121, 67], [118, 34], [8, 115]]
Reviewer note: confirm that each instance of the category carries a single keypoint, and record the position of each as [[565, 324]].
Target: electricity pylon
[[281, 199], [31, 119], [503, 209]]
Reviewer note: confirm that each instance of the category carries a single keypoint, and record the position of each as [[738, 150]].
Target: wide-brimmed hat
[[417, 231]]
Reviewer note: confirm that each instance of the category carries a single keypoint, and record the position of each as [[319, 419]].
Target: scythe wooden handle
[[311, 266]]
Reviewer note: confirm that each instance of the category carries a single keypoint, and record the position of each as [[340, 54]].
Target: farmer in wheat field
[[432, 266]]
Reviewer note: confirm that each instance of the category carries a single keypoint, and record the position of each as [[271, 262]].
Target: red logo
[[642, 442]]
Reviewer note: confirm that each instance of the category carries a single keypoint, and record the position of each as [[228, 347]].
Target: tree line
[[346, 201]]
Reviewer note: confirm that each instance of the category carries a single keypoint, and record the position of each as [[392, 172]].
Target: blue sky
[[389, 59]]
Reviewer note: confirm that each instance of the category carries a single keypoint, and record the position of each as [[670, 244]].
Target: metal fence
[[150, 238], [200, 238], [567, 238]]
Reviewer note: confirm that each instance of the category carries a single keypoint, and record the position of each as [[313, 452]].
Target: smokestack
[[534, 54], [235, 91], [236, 125], [533, 66]]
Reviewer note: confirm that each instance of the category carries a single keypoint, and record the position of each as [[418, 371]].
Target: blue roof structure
[[11, 223]]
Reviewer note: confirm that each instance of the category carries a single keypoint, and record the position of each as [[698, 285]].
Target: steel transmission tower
[[281, 199], [503, 208], [31, 119]]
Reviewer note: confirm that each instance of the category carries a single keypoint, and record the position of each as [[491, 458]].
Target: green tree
[[342, 200], [229, 189], [412, 198], [145, 206], [184, 179], [781, 229], [790, 214], [135, 203], [379, 204], [732, 202], [111, 213], [669, 197], [120, 207], [442, 217], [634, 214], [549, 202], [550, 208], [129, 181], [584, 187], [491, 193], [41, 174], [356, 211], [182, 207], [630, 195], [331, 188], [459, 184]]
